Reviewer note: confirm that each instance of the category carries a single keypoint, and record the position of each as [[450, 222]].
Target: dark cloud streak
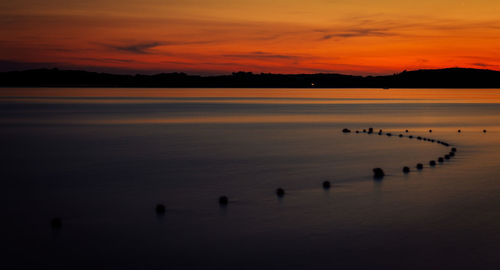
[[138, 48], [261, 55], [146, 47], [361, 32]]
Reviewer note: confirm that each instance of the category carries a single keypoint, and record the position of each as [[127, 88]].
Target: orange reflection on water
[[231, 95], [432, 121]]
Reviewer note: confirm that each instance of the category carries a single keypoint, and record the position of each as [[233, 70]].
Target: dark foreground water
[[101, 159]]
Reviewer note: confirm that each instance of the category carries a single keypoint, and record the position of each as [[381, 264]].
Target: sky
[[362, 37]]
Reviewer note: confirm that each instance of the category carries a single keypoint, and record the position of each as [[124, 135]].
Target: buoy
[[451, 154], [441, 160], [419, 138], [223, 200], [378, 173], [364, 130], [430, 130], [459, 131], [280, 192], [411, 136], [370, 130], [357, 131], [160, 209], [432, 163], [454, 149], [406, 169], [346, 130], [400, 135], [420, 166], [389, 134], [56, 223], [484, 130], [406, 131], [326, 185], [446, 156]]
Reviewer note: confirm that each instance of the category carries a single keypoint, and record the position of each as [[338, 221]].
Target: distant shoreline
[[437, 78], [249, 88]]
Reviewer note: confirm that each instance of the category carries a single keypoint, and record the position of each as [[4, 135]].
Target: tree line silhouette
[[436, 78]]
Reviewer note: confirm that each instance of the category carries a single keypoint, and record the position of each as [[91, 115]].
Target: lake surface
[[101, 159]]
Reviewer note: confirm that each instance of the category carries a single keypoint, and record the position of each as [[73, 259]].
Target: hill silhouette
[[435, 78]]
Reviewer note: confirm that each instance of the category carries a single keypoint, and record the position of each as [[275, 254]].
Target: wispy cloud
[[137, 48], [261, 55], [148, 46], [104, 60], [483, 65], [359, 32], [7, 65]]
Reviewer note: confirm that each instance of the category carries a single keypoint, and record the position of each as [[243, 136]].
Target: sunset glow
[[223, 36]]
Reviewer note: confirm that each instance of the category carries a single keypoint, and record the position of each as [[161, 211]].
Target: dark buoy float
[[453, 149], [432, 163], [56, 223], [160, 209], [441, 160], [346, 130], [406, 169], [378, 173], [280, 192], [326, 185], [420, 166], [223, 200]]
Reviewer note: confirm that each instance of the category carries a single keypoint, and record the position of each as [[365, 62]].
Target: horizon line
[[243, 72]]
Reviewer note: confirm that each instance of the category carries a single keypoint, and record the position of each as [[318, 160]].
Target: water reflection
[[283, 96], [103, 165]]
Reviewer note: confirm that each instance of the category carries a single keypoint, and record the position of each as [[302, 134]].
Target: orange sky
[[222, 36]]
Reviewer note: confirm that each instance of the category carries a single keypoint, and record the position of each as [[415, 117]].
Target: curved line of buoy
[[378, 173]]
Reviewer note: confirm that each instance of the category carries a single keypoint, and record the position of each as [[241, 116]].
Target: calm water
[[101, 159]]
